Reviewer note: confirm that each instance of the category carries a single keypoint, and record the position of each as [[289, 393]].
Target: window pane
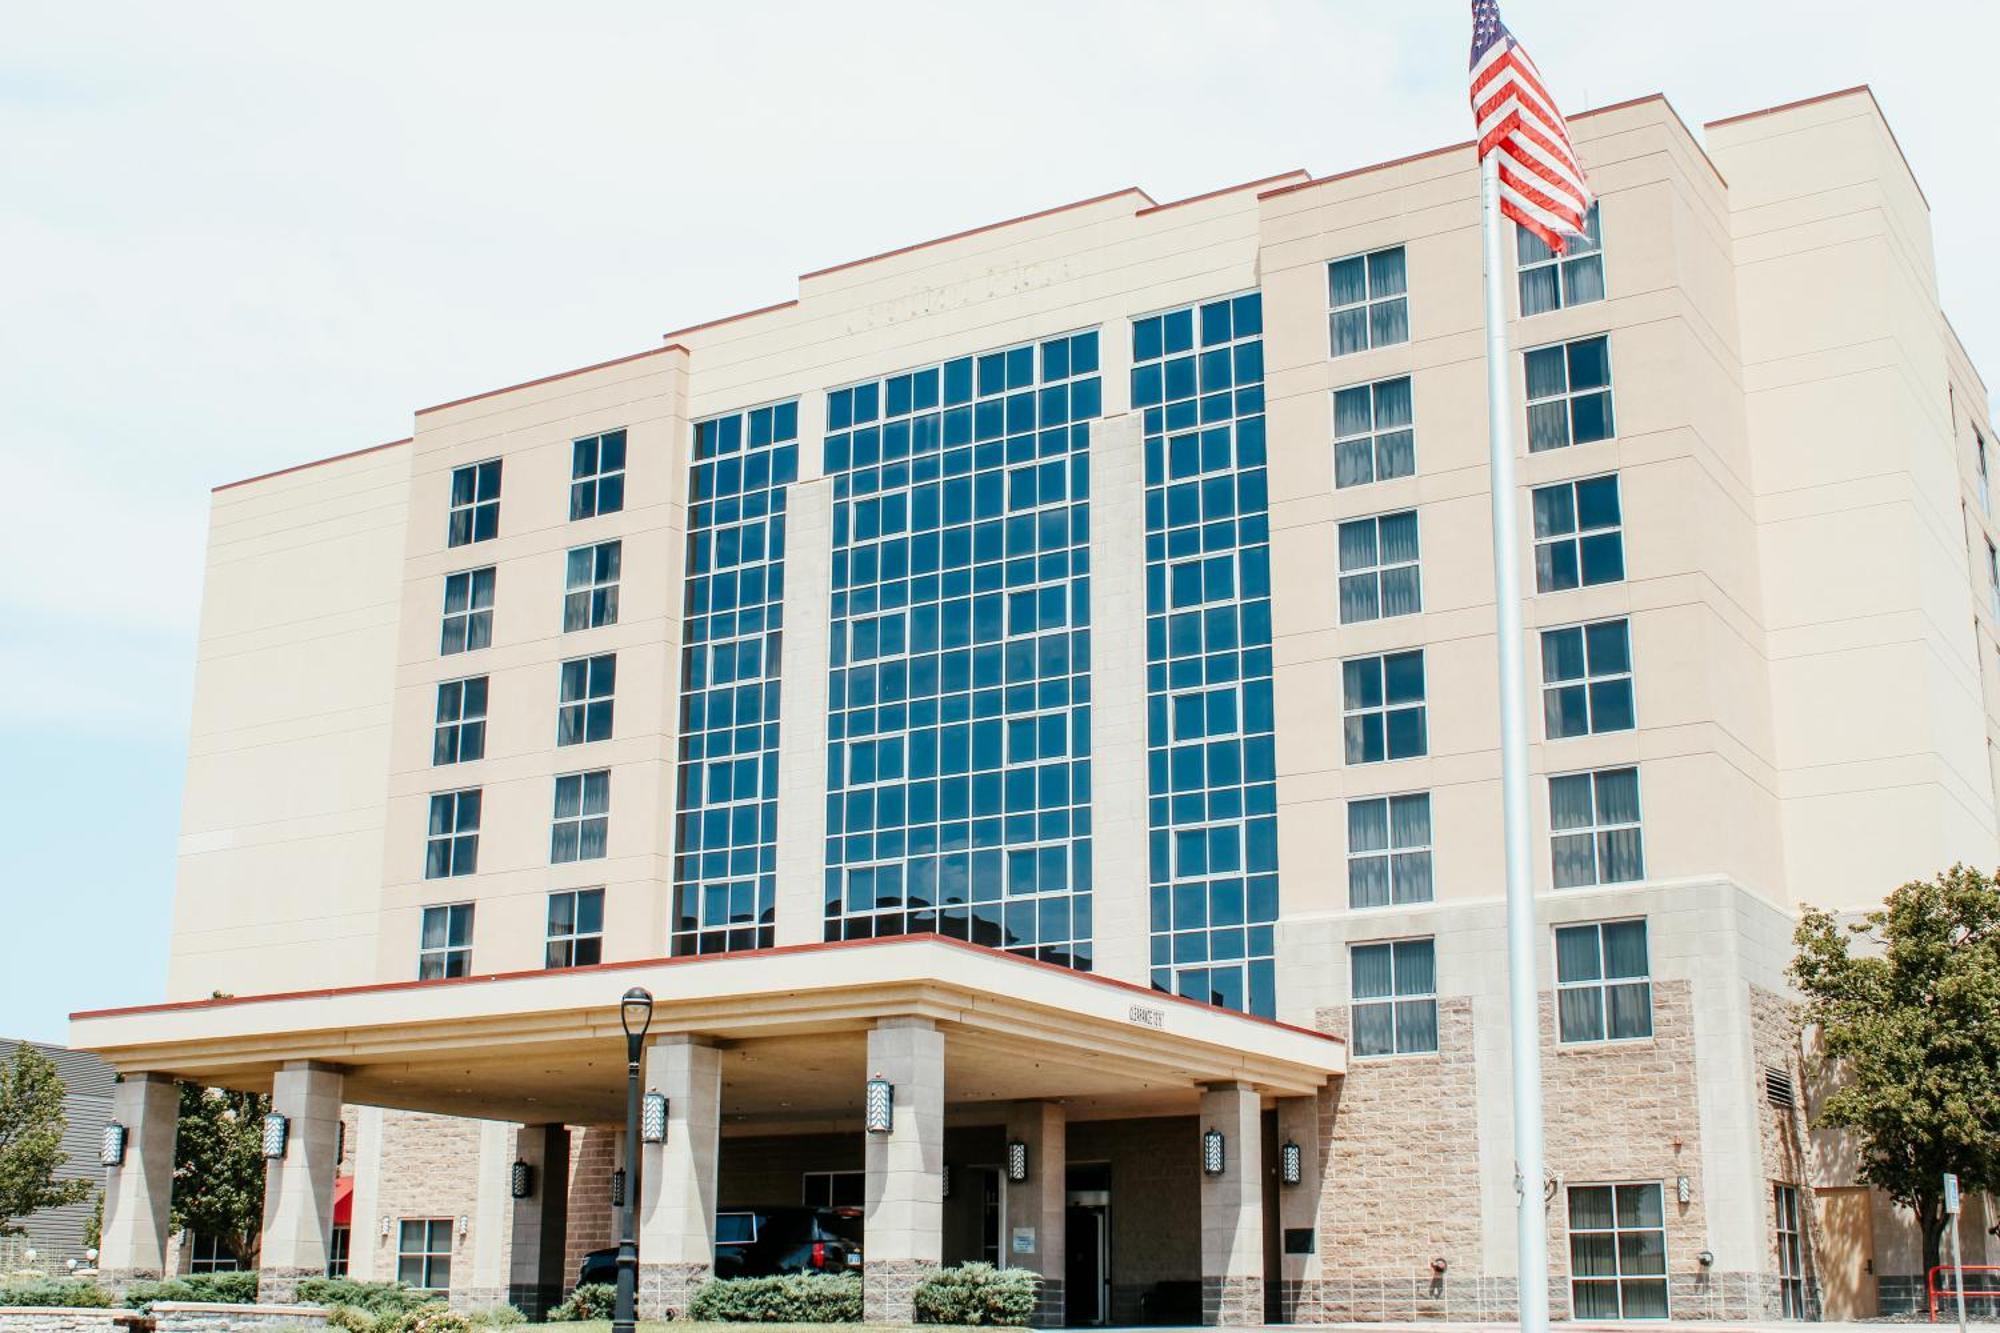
[[1347, 281], [1374, 1029], [1577, 954], [1368, 881], [1416, 1026], [1574, 863], [1581, 1013], [1589, 1208], [1392, 403], [1585, 279], [1569, 801], [1416, 967], [1630, 1010], [1389, 322], [1351, 412], [1639, 1206], [1539, 292], [1386, 275], [1645, 1299], [1591, 414], [1589, 364], [1594, 1300], [1620, 853], [1367, 826], [1545, 373], [1373, 971], [1412, 820], [1618, 796], [1548, 426], [1555, 510], [1625, 949]]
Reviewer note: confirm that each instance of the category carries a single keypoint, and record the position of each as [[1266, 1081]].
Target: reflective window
[[1587, 679], [726, 832], [958, 741], [423, 1253], [468, 611], [1594, 823], [451, 847], [1372, 435], [588, 684], [475, 504], [1378, 568], [1395, 997], [1368, 301], [1550, 281], [590, 586], [597, 475], [459, 733], [576, 928], [1617, 1252], [1604, 990], [1383, 710], [582, 822], [444, 949], [1579, 534], [1569, 394], [1198, 378], [1389, 850]]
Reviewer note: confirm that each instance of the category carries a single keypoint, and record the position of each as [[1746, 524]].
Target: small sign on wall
[[1024, 1240]]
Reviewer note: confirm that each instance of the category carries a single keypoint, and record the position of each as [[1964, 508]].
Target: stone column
[[540, 1223], [1232, 1208], [137, 1194], [1037, 1206], [298, 1187], [903, 1239], [1300, 1296], [677, 1179]]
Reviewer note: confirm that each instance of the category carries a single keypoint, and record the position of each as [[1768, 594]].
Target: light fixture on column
[[339, 1142], [1291, 1163], [464, 1225], [277, 1129], [1017, 1161], [521, 1180], [388, 1225], [1684, 1189], [1212, 1158], [111, 1145], [944, 1180], [880, 1113], [618, 1188], [653, 1118]]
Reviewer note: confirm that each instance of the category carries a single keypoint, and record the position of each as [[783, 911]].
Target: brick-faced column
[[1038, 1204], [138, 1194], [677, 1179], [540, 1222], [1232, 1208], [1299, 1296], [903, 1238], [298, 1187]]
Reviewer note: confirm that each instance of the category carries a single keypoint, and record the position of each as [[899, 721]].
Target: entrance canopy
[[791, 1024]]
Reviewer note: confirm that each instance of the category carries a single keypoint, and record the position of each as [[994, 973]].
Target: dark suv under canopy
[[764, 1242]]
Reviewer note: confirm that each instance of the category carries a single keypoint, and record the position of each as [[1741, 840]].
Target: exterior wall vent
[[1778, 1087]]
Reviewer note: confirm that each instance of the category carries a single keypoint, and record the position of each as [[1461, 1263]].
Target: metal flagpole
[[1524, 1012]]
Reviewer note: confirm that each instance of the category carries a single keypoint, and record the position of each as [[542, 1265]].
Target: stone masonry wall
[[1782, 1139], [593, 1155], [61, 1319], [430, 1169]]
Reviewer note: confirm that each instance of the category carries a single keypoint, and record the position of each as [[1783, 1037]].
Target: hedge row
[[967, 1294]]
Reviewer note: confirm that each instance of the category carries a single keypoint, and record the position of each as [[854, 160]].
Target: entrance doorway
[[1087, 1226]]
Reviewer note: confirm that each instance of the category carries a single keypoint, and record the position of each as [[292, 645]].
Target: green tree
[[219, 1167], [1907, 1002], [31, 1130]]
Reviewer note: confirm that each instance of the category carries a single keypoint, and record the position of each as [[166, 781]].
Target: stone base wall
[[665, 1290], [116, 1280], [1232, 1302], [202, 1317], [889, 1289], [63, 1319], [280, 1286], [1049, 1304]]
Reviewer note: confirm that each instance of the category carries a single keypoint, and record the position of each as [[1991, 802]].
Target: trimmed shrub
[[57, 1291], [497, 1316], [350, 1319], [440, 1319], [239, 1288], [592, 1301], [977, 1294], [798, 1298], [375, 1298]]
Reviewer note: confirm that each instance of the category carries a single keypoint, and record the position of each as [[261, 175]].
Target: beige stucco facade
[[1806, 543]]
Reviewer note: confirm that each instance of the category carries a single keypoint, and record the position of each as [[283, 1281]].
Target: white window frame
[[570, 945], [207, 1254], [1531, 256], [1378, 439], [1993, 579], [1370, 578], [428, 1259], [1791, 1252], [1577, 534], [1590, 682], [1397, 859], [1394, 1001], [459, 841], [1372, 301], [1983, 472], [1619, 1278], [449, 733], [1570, 395], [586, 685], [1420, 706], [435, 961], [1602, 983], [476, 506], [598, 474], [590, 595], [570, 832], [1598, 828], [474, 619], [1201, 563]]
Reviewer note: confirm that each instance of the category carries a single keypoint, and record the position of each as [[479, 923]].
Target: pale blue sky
[[235, 237]]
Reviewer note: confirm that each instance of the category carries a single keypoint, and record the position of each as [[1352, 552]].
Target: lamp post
[[635, 1011]]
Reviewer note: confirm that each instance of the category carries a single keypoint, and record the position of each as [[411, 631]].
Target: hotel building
[[1051, 669]]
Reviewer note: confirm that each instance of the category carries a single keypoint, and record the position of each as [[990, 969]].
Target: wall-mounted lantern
[[1212, 1153], [880, 1113], [111, 1146], [1291, 1163], [1017, 1160], [653, 1118], [277, 1131], [521, 1180]]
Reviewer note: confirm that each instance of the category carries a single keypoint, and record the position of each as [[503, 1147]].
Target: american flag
[[1541, 185]]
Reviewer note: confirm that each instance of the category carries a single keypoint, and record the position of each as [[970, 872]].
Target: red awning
[[343, 1201]]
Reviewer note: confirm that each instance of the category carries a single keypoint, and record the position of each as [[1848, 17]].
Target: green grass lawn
[[692, 1326]]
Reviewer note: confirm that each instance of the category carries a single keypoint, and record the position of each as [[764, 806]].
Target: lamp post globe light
[[635, 1011]]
